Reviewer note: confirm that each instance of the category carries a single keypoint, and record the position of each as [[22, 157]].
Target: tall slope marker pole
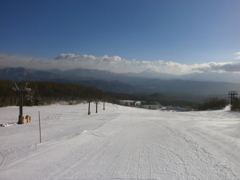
[[40, 134]]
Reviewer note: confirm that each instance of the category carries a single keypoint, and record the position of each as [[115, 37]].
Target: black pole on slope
[[96, 106], [89, 107], [40, 133]]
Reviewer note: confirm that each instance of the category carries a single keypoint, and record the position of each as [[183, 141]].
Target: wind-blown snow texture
[[119, 143]]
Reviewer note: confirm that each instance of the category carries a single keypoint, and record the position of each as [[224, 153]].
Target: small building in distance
[[177, 109], [128, 102], [152, 105], [131, 103], [141, 104]]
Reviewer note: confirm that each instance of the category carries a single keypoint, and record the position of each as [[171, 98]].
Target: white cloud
[[238, 53], [104, 59], [114, 64], [73, 56], [111, 60], [219, 67]]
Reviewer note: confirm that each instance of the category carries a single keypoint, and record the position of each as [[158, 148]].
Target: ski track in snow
[[122, 143]]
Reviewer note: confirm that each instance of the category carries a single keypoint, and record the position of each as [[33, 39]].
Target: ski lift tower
[[232, 95], [20, 93]]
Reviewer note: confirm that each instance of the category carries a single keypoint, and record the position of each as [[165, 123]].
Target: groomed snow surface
[[119, 143]]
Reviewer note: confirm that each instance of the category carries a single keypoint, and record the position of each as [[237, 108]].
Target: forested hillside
[[48, 92]]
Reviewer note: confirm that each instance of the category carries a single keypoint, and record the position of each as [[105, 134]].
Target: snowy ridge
[[120, 143]]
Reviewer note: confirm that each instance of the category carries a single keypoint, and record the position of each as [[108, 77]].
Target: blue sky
[[174, 36]]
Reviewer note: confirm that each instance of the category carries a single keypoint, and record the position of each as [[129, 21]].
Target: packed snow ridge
[[119, 143]]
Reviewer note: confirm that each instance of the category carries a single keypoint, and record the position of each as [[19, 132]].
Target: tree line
[[236, 105], [43, 93], [213, 104]]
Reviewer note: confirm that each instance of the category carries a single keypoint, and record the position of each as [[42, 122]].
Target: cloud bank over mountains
[[66, 61]]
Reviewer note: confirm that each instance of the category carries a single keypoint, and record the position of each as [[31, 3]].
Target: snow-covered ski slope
[[119, 143]]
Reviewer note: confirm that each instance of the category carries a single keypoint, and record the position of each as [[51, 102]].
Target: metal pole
[[40, 134], [21, 104], [20, 117], [89, 108], [96, 108]]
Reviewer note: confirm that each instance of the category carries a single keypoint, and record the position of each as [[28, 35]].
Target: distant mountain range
[[131, 83], [207, 76]]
